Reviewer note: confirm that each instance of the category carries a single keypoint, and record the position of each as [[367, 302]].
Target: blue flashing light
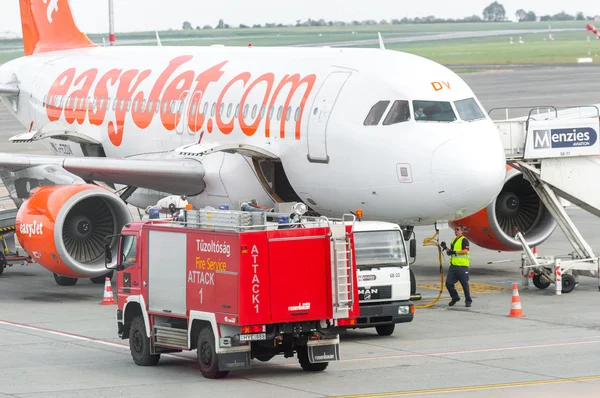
[[154, 213]]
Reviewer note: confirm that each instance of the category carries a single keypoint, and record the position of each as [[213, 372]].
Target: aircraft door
[[319, 116]]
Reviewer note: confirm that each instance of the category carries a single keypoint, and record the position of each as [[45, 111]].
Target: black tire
[[537, 282], [305, 362], [413, 283], [3, 263], [139, 344], [98, 280], [208, 359], [385, 330], [568, 283], [64, 280]]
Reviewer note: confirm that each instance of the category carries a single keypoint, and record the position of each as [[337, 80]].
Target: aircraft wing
[[176, 175]]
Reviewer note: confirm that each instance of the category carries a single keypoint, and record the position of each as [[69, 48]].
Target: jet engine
[[517, 206], [64, 228]]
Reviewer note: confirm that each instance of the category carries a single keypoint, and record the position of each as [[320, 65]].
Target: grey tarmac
[[59, 342]]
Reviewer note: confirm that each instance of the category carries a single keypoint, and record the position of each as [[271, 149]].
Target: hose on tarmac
[[435, 241]]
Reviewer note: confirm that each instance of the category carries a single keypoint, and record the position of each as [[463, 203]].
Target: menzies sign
[[562, 138]]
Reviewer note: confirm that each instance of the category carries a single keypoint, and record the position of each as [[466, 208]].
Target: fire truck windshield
[[379, 249]]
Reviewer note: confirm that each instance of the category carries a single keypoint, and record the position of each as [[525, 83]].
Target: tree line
[[495, 12]]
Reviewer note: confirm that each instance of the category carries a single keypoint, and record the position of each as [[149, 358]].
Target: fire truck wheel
[[64, 280], [385, 330], [207, 355], [306, 364], [139, 344]]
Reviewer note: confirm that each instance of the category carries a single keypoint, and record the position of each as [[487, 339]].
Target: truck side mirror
[[413, 248], [107, 256]]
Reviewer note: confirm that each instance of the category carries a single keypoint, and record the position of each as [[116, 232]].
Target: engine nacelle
[[517, 205], [64, 228]]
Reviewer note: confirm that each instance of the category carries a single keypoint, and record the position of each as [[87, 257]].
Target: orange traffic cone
[[108, 294], [515, 309]]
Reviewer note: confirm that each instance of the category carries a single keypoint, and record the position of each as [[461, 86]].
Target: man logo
[[564, 138], [52, 7]]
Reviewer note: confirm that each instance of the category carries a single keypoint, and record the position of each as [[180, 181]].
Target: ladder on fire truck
[[339, 238], [558, 153]]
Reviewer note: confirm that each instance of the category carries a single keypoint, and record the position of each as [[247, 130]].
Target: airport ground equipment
[[10, 254], [235, 286], [558, 153]]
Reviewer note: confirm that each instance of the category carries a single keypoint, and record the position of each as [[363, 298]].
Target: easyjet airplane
[[396, 135]]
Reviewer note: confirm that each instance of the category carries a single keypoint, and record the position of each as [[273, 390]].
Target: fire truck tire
[[139, 344], [306, 364], [208, 361], [385, 330], [64, 280]]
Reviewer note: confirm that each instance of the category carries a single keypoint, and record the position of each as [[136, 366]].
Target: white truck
[[385, 281]]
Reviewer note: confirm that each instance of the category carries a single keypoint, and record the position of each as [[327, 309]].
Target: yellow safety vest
[[460, 260]]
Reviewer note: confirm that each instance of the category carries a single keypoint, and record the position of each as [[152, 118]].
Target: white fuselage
[[306, 106]]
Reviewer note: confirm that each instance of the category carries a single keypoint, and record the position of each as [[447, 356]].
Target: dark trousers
[[458, 274]]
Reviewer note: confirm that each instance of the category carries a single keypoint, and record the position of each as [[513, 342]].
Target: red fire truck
[[235, 287]]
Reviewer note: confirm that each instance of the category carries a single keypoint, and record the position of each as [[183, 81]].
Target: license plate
[[253, 337]]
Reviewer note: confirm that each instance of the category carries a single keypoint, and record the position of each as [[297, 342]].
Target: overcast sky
[[137, 15]]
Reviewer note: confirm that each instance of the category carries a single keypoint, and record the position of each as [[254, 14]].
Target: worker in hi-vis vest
[[459, 266]]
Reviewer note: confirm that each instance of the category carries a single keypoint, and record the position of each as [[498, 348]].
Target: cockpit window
[[435, 111], [376, 113], [400, 112], [468, 110]]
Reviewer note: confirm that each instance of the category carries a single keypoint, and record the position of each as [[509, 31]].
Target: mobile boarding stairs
[[560, 156]]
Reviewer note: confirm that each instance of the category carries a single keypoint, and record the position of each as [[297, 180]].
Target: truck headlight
[[403, 310]]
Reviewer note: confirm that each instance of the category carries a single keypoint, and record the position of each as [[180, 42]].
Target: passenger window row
[[436, 111], [168, 106]]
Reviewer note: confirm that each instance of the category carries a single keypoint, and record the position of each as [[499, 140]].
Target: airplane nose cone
[[469, 172]]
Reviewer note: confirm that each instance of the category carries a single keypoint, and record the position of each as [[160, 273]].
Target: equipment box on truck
[[384, 277], [235, 288]]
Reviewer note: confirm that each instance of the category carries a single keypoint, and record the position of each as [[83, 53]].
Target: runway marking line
[[359, 359], [473, 388]]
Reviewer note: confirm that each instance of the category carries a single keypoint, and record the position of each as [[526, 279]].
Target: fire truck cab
[[235, 287]]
